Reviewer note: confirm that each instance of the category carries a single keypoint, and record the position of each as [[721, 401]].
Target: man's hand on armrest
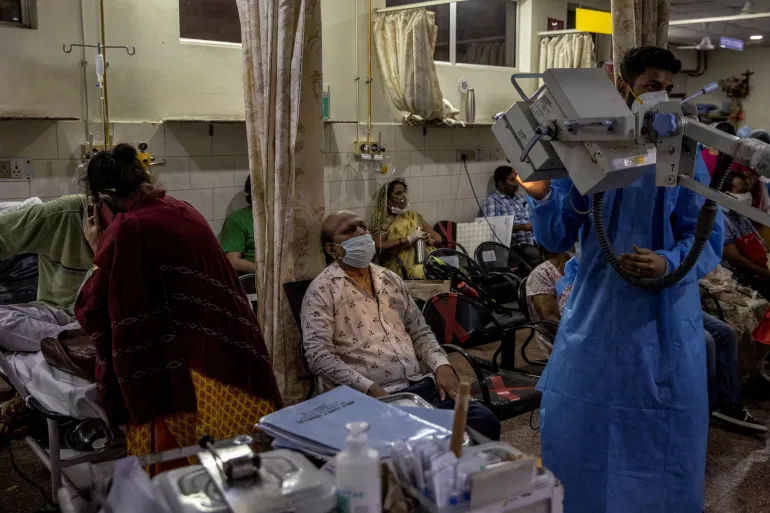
[[446, 382], [376, 391]]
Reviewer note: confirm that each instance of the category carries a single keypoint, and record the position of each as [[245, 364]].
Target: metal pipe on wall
[[83, 64], [106, 104], [369, 78]]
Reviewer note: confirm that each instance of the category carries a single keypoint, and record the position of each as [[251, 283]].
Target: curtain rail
[[428, 3]]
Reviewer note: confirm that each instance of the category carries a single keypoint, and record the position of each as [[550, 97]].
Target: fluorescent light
[[756, 37]]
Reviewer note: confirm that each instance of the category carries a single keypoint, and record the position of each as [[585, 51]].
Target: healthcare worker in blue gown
[[624, 414]]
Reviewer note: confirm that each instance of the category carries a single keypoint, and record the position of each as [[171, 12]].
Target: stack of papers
[[317, 427]]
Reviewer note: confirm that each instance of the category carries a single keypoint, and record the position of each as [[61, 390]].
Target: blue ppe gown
[[624, 414]]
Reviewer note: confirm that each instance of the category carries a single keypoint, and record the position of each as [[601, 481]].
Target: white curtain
[[567, 51], [284, 126], [638, 23], [405, 41]]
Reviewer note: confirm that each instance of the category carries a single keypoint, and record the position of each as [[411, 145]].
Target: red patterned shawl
[[162, 300]]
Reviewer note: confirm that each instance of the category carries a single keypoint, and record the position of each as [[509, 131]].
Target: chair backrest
[[529, 253], [448, 232], [523, 303], [456, 319], [495, 257], [457, 260], [249, 284], [295, 293]]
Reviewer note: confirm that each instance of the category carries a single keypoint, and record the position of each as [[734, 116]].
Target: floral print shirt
[[354, 339]]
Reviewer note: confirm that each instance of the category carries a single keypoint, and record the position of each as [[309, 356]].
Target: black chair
[[529, 253], [383, 259], [295, 293], [461, 324], [549, 326], [496, 291], [448, 232], [495, 257], [249, 283]]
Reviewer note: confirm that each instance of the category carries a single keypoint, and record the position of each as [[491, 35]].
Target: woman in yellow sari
[[396, 230]]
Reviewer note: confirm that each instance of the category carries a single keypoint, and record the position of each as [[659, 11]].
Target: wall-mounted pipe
[[83, 64], [106, 103], [369, 79]]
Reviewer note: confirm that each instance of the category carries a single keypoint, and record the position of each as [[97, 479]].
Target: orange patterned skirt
[[223, 412]]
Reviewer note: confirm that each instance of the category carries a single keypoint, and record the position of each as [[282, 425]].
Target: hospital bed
[[57, 396]]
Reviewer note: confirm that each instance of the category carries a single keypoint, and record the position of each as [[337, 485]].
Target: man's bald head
[[336, 228]]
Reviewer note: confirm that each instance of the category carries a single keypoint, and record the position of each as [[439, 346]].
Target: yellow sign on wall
[[589, 20]]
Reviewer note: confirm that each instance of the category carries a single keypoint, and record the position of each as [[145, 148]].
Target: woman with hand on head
[[179, 349], [397, 229]]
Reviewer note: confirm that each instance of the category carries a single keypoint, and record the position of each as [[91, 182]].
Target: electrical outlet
[[5, 169], [21, 169], [470, 155], [488, 155]]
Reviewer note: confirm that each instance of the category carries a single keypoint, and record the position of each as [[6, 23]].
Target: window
[[442, 22], [16, 13], [484, 31], [209, 20]]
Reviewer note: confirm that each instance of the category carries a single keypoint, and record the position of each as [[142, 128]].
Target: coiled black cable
[[708, 213]]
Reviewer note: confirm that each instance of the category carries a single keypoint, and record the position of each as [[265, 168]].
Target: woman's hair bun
[[124, 153]]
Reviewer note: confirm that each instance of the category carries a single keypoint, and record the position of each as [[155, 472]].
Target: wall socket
[[21, 169], [5, 169], [488, 155], [470, 155]]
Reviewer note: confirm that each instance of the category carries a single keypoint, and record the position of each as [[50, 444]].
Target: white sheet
[[58, 391]]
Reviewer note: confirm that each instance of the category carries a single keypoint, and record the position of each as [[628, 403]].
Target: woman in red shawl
[[179, 350]]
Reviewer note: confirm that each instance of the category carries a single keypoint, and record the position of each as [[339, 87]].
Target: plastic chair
[[295, 293], [549, 326], [249, 284], [495, 257], [461, 324]]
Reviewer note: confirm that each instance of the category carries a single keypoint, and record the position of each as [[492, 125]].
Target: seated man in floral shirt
[[362, 329]]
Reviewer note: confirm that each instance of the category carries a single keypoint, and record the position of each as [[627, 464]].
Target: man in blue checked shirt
[[505, 202]]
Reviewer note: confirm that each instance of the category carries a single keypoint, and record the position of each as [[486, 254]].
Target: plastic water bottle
[[357, 470]]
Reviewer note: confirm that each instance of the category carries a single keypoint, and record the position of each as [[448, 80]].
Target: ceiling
[[686, 35]]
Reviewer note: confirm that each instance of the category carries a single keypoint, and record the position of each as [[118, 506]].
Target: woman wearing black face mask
[[397, 229]]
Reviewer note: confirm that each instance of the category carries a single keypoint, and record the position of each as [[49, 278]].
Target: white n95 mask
[[648, 100]]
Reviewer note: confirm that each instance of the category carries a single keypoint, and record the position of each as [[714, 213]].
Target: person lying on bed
[[53, 230], [179, 349]]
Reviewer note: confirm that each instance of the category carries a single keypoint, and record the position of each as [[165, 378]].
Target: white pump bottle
[[357, 470]]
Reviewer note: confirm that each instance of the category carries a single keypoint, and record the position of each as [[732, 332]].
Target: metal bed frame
[[52, 457]]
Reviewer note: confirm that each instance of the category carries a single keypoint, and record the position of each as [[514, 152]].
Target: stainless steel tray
[[415, 401], [407, 399]]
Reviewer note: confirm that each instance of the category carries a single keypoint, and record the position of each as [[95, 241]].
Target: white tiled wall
[[207, 164], [438, 186]]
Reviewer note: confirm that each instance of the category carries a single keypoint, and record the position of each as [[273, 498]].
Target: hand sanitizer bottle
[[358, 473]]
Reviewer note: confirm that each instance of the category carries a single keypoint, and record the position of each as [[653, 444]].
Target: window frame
[[27, 8], [453, 37]]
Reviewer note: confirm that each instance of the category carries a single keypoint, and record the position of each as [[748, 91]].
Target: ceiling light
[[756, 37]]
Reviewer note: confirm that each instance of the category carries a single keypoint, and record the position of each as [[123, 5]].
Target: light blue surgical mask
[[359, 251]]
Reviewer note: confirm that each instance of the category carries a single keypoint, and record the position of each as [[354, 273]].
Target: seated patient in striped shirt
[[505, 202], [362, 329]]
